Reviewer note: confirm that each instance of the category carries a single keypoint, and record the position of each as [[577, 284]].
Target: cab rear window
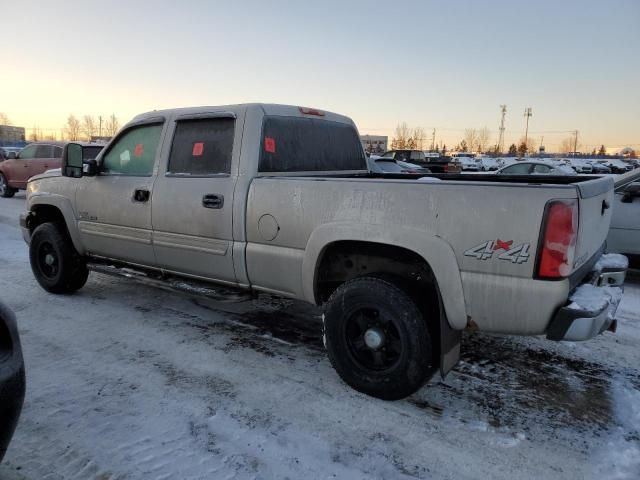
[[292, 144]]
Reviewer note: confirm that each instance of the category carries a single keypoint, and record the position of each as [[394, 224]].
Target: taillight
[[558, 246], [445, 168]]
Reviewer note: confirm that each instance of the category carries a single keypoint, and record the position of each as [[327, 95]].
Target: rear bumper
[[592, 306]]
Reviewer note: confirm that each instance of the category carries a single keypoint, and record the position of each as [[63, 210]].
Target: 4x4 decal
[[485, 251]]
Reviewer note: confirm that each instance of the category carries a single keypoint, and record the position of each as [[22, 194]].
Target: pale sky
[[442, 64]]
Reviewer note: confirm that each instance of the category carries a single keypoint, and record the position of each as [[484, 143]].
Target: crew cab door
[[113, 208], [193, 198]]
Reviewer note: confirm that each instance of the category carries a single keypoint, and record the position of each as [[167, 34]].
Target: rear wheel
[[57, 266], [5, 190], [377, 338]]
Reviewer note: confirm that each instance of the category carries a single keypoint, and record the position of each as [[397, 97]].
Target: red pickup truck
[[34, 159]]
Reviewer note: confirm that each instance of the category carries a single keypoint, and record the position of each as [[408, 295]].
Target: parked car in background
[[598, 167], [488, 164], [535, 168], [379, 164], [466, 160], [634, 162], [616, 165], [412, 167], [624, 233], [580, 165], [469, 164], [8, 152], [12, 378], [383, 165], [418, 157], [34, 159]]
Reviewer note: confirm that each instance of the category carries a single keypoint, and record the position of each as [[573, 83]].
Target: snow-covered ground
[[127, 381]]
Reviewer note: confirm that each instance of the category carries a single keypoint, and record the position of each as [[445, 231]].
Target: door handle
[[140, 195], [213, 200]]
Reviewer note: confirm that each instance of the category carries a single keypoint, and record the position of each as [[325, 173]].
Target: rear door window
[[521, 169], [541, 169], [44, 151], [202, 147], [293, 144]]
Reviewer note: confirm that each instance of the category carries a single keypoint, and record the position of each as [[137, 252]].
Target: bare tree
[[72, 129], [4, 119], [89, 126], [36, 134], [470, 138], [484, 136], [112, 125], [419, 138], [568, 145], [401, 136]]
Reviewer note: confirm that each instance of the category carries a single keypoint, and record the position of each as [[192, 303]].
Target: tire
[[377, 338], [5, 190], [57, 266]]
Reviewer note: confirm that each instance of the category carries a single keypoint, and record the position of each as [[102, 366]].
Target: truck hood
[[54, 172]]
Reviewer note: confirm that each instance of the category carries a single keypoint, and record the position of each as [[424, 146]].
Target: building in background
[[374, 143], [12, 136]]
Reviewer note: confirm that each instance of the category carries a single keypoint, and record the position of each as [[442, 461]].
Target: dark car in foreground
[[12, 379]]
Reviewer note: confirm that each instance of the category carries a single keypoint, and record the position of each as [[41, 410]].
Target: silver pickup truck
[[273, 198]]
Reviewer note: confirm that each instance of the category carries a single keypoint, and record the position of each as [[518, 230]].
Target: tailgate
[[595, 205]]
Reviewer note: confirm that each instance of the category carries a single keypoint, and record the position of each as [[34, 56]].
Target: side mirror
[[630, 192], [90, 168], [73, 163], [72, 160]]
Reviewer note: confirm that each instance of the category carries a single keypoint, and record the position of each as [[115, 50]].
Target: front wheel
[[5, 190], [57, 266], [377, 338]]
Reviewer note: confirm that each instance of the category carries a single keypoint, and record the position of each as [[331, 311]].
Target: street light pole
[[527, 114]]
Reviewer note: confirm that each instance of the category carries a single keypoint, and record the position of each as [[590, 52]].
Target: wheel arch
[[55, 208], [437, 255]]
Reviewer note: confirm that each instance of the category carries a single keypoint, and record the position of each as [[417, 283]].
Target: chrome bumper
[[592, 306]]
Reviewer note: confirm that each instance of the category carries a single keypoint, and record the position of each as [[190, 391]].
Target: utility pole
[[433, 140], [527, 114], [503, 111], [575, 143], [100, 128]]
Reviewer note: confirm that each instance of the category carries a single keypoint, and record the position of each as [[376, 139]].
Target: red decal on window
[[269, 145], [198, 148], [139, 150]]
